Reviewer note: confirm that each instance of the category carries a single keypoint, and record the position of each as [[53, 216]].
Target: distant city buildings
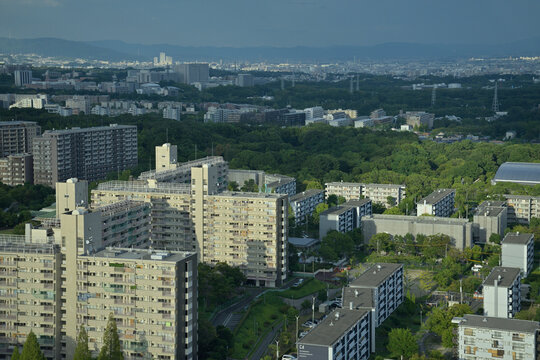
[[419, 118], [163, 60], [22, 77]]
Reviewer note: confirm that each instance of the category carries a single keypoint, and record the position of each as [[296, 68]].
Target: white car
[[288, 357]]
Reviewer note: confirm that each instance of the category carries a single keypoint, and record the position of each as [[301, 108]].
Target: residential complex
[[482, 337], [490, 218], [517, 250], [385, 281], [419, 118], [460, 231], [502, 292], [439, 203], [345, 217], [386, 194], [243, 229], [343, 335], [90, 153], [521, 208], [303, 204], [54, 292]]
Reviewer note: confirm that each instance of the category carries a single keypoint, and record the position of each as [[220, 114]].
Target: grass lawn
[[307, 288], [261, 316]]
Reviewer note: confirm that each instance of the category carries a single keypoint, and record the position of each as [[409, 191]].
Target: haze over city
[[273, 23]]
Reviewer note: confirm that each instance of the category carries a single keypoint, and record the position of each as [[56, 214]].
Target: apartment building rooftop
[[524, 197], [260, 195], [336, 210], [305, 194], [145, 186], [419, 219], [504, 324], [21, 247], [504, 275], [492, 203], [517, 238], [142, 254], [17, 122], [336, 183], [360, 202], [359, 297], [436, 196], [489, 210], [375, 275], [93, 129], [181, 168], [337, 323]]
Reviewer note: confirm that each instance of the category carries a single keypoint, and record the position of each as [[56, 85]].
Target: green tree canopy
[[111, 349], [31, 350], [402, 342], [82, 351], [15, 355]]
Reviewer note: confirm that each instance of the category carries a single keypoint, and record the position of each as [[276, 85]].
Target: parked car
[[288, 357]]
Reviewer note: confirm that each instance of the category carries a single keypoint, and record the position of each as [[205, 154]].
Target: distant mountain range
[[114, 50]]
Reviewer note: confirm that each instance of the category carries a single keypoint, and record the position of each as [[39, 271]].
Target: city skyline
[[278, 23]]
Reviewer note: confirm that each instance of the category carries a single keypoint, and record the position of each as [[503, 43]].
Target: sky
[[273, 22]]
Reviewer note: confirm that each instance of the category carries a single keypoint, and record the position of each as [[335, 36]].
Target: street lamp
[[277, 349]]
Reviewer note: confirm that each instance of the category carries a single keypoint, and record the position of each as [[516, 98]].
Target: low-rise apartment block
[[521, 208], [386, 194], [89, 154], [459, 230], [502, 292], [482, 337], [517, 250], [385, 281], [343, 335], [303, 204], [439, 203], [17, 169], [344, 218], [490, 218]]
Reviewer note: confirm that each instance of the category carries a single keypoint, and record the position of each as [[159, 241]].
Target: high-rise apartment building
[[16, 137], [22, 77], [17, 169], [54, 292], [193, 72], [89, 154], [243, 229]]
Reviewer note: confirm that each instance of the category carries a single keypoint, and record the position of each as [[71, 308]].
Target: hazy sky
[[273, 22]]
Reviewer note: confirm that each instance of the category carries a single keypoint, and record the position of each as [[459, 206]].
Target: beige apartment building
[[16, 137], [243, 229], [53, 292], [521, 208], [17, 169], [378, 193]]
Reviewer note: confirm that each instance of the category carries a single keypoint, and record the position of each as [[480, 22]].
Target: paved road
[[224, 316], [421, 343], [263, 346]]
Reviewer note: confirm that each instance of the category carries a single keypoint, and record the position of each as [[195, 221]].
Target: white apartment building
[[502, 292], [385, 281], [379, 193], [172, 113], [303, 204], [343, 335], [486, 338], [350, 191], [345, 217], [315, 112], [439, 203], [517, 250]]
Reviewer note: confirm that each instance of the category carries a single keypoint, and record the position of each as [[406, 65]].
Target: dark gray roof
[[357, 203], [436, 196], [330, 330], [375, 275], [360, 298], [499, 323], [302, 242], [518, 172], [517, 238], [492, 203], [489, 210], [336, 210], [306, 194], [508, 276]]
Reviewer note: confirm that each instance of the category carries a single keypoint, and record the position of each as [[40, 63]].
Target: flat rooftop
[[83, 130], [507, 276], [518, 172], [333, 327], [418, 219], [504, 324], [337, 183], [356, 203], [489, 210], [336, 210], [492, 203], [517, 238], [302, 242], [361, 298], [375, 275], [306, 194], [142, 254], [436, 196]]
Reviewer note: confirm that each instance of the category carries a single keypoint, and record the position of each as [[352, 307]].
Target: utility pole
[[313, 310], [297, 316], [277, 349], [461, 291]]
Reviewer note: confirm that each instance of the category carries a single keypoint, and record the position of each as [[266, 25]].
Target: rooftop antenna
[[495, 106], [433, 95]]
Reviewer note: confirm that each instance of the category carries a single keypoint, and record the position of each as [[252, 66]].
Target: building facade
[[16, 137], [517, 250], [387, 288], [303, 204], [379, 193], [17, 169], [439, 203], [491, 217], [502, 292], [522, 208], [89, 154], [481, 337]]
